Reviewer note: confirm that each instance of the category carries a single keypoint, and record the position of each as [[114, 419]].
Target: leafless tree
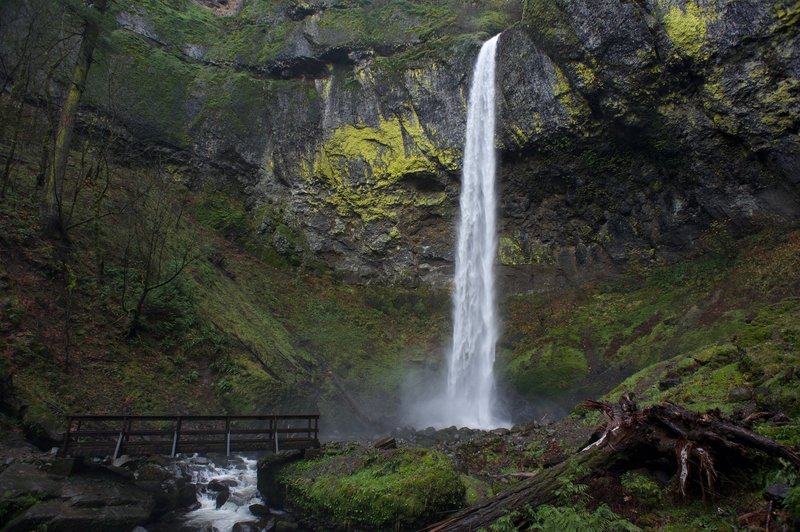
[[157, 250]]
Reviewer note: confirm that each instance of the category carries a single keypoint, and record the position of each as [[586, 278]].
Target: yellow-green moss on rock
[[572, 101], [511, 253], [781, 105], [586, 74], [687, 28], [787, 13], [361, 165], [751, 370]]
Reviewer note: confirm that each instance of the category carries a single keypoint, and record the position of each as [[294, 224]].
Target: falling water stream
[[470, 379]]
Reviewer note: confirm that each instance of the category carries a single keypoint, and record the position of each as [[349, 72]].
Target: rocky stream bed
[[412, 478]]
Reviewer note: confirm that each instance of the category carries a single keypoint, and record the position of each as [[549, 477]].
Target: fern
[[571, 519], [505, 523], [569, 490]]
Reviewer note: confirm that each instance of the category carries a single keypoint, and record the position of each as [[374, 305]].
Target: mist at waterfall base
[[469, 395]]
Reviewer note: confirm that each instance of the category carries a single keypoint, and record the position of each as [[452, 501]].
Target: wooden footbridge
[[148, 435]]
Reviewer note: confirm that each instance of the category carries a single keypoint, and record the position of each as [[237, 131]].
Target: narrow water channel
[[226, 493]]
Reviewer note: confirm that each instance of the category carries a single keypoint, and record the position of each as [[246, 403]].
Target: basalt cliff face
[[628, 129]]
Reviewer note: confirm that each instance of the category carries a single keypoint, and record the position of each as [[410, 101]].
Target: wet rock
[[300, 11], [218, 458], [259, 510], [40, 436], [740, 394], [63, 467], [120, 471], [187, 495], [164, 495], [386, 443], [152, 472], [777, 493], [95, 500], [648, 112], [780, 418], [20, 479], [160, 459], [286, 526], [124, 461], [222, 498], [268, 468], [247, 526], [217, 485], [666, 384], [59, 514]]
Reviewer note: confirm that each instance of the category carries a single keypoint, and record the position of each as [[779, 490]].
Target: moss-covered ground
[[377, 489], [718, 331]]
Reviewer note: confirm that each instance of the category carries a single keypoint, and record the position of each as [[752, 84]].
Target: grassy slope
[[240, 331], [735, 303]]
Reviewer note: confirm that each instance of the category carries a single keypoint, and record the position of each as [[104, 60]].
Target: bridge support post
[[275, 432], [176, 436], [120, 438], [228, 430], [65, 449]]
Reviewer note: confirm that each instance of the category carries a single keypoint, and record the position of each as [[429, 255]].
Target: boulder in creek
[[97, 502], [222, 497], [259, 510]]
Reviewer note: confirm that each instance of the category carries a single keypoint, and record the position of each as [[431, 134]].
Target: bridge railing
[[117, 435]]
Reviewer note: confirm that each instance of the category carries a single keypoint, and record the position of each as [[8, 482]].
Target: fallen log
[[694, 444]]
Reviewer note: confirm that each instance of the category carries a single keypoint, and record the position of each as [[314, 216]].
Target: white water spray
[[470, 378]]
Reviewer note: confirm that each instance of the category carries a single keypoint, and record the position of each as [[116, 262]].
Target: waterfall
[[470, 379]]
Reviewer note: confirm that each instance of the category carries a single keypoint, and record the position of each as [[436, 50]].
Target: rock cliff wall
[[628, 128]]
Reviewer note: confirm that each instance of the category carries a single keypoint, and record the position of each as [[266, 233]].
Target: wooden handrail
[[261, 417], [82, 434]]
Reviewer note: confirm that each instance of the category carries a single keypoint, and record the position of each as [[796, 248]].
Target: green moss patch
[[549, 370], [361, 164], [725, 319], [756, 370], [400, 488]]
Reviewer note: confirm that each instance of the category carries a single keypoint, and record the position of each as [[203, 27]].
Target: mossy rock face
[[400, 488], [617, 118], [754, 373], [547, 371]]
